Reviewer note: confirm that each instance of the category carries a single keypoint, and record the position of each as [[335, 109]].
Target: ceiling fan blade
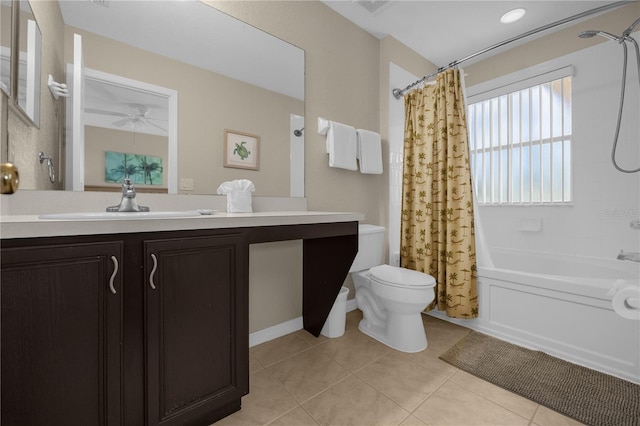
[[157, 120], [103, 112], [139, 110], [122, 122]]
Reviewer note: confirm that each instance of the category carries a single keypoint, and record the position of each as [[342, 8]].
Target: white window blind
[[520, 141]]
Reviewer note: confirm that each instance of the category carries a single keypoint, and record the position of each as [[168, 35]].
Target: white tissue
[[626, 302], [236, 185], [238, 194]]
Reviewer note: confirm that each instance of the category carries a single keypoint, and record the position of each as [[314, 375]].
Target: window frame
[[505, 87]]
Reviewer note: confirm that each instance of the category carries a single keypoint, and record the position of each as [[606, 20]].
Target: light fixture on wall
[[512, 16]]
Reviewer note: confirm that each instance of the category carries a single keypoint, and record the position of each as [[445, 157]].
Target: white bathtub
[[559, 305]]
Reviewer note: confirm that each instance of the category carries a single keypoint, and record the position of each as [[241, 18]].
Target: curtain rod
[[399, 93]]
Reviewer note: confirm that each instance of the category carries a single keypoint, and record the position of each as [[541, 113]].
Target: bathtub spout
[[634, 257]]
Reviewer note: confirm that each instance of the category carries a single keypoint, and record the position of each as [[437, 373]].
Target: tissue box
[[239, 201]]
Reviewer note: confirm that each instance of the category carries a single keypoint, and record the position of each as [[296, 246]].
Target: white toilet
[[390, 298]]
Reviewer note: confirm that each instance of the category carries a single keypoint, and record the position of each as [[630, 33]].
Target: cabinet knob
[[10, 178], [153, 271]]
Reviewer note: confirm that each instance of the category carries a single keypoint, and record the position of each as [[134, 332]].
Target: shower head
[[591, 33]]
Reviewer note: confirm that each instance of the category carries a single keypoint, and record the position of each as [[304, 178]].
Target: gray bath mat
[[589, 396]]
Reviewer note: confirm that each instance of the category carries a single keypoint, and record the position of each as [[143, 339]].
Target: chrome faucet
[[632, 256], [128, 202]]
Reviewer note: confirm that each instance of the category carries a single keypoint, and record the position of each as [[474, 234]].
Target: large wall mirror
[[225, 74]]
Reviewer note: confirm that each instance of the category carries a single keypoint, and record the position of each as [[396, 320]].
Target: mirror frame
[[15, 70], [172, 122], [8, 89]]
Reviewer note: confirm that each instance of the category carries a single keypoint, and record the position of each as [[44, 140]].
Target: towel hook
[[57, 89]]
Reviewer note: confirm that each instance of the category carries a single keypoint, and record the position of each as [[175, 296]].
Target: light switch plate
[[186, 184]]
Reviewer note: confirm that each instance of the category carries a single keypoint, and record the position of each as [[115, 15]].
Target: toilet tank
[[370, 245]]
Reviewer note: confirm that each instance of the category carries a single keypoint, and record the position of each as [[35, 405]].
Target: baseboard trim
[[285, 328]]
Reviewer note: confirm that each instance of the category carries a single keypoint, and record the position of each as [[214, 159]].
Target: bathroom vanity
[[146, 321]]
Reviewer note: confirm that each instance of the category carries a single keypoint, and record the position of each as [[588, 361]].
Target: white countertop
[[31, 226]]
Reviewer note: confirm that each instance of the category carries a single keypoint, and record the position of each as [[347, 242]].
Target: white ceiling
[[115, 106], [447, 31]]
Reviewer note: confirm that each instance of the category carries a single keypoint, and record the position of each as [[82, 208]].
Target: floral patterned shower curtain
[[437, 208]]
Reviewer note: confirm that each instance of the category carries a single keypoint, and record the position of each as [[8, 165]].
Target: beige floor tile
[[547, 417], [519, 405], [405, 382], [276, 350], [297, 417], [426, 360], [308, 373], [442, 337], [353, 402], [453, 405], [254, 365], [311, 339], [413, 421], [354, 350], [267, 400], [356, 380]]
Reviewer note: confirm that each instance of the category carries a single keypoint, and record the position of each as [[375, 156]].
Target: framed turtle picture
[[241, 150]]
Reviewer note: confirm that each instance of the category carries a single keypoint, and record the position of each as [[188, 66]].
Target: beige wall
[[24, 140], [275, 283], [208, 103]]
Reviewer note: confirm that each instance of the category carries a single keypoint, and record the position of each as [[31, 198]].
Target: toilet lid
[[400, 277]]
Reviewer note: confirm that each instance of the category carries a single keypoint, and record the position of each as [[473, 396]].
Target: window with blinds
[[520, 144]]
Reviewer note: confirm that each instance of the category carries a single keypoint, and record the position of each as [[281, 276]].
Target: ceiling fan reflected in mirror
[[138, 118]]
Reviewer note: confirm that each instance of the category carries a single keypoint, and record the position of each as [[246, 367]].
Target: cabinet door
[[61, 328], [196, 328]]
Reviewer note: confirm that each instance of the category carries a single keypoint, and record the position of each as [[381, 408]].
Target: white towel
[[369, 152], [341, 146]]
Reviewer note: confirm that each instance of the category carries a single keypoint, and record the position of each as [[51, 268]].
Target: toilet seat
[[400, 277]]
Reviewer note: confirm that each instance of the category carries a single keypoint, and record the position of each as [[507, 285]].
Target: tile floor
[[300, 380]]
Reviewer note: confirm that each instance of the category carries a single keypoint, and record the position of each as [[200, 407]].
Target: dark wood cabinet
[[61, 333], [196, 331], [87, 339], [145, 328]]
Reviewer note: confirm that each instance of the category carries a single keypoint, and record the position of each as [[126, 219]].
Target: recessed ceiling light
[[512, 16]]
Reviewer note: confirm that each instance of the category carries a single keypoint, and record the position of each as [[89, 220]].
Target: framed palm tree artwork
[[241, 150], [140, 168]]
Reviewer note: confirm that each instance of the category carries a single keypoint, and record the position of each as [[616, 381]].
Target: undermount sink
[[121, 215]]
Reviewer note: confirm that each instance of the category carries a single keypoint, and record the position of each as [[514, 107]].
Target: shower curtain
[[437, 231]]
